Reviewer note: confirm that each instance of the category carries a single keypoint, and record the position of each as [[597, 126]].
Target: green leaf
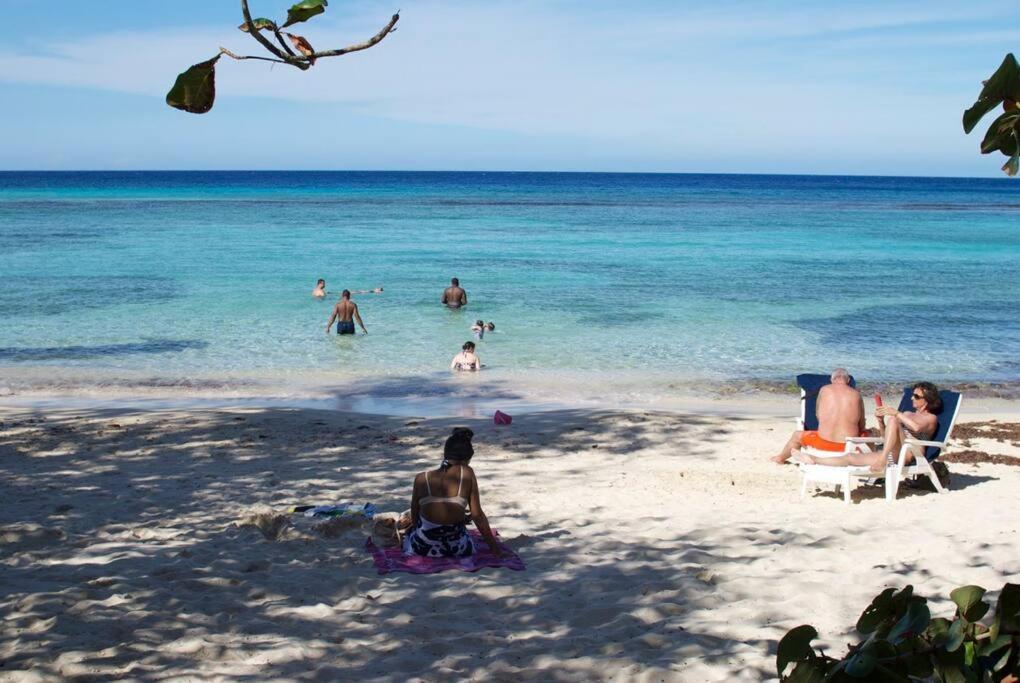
[[1002, 134], [877, 612], [956, 636], [1004, 84], [911, 624], [938, 631], [990, 645], [1003, 660], [795, 647], [1007, 611], [861, 663], [884, 674], [261, 24], [919, 666], [195, 90], [948, 665], [966, 597], [806, 672], [1012, 165], [305, 10]]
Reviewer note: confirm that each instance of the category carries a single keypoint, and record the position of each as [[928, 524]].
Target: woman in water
[[440, 502], [467, 359]]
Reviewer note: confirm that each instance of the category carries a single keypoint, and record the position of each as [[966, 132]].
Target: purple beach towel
[[394, 560]]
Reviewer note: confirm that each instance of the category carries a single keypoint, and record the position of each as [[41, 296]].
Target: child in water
[[478, 329]]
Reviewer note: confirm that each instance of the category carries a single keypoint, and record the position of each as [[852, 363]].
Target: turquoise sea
[[610, 284]]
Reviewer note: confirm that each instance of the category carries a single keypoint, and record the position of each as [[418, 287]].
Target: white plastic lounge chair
[[924, 452]]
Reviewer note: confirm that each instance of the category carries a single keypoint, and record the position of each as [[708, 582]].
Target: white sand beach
[[659, 547]]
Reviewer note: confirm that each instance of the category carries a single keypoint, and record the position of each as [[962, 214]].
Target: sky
[[720, 86]]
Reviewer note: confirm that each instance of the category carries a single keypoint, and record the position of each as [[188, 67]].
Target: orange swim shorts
[[812, 440]]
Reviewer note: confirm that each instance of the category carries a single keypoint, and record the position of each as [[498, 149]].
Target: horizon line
[[507, 172]]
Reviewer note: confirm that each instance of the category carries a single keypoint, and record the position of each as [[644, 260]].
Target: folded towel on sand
[[394, 560]]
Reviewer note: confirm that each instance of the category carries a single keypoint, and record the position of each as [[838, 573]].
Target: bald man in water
[[840, 411]]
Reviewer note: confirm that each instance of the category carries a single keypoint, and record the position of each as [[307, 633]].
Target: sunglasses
[[917, 397]]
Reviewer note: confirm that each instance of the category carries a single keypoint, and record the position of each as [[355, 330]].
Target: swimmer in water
[[320, 289], [454, 296], [478, 329], [467, 359], [489, 327]]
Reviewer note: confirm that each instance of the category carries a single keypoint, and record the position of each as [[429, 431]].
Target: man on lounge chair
[[840, 411]]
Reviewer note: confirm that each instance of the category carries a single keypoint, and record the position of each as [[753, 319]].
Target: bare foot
[[802, 458]]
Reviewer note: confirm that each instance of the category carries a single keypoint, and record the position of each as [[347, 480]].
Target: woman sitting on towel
[[440, 503], [919, 423]]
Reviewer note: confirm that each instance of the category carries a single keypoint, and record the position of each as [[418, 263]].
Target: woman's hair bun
[[458, 444]]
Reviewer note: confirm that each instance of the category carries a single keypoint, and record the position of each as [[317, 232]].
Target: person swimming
[[490, 326], [319, 291], [478, 329], [466, 359]]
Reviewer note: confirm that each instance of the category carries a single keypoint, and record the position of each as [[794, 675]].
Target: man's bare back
[[840, 411], [454, 297], [345, 309], [345, 313]]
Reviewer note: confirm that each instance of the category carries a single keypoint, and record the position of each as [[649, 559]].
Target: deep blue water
[[703, 277]]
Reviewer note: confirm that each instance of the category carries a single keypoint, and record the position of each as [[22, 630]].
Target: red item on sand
[[502, 418]]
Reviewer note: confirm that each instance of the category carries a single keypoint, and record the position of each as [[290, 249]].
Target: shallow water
[[185, 278]]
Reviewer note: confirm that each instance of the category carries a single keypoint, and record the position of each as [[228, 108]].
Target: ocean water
[[196, 280]]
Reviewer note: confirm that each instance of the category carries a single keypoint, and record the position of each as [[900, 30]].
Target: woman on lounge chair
[[440, 503], [919, 423]]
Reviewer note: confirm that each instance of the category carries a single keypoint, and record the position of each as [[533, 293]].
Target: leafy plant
[[194, 91], [1004, 133], [904, 643]]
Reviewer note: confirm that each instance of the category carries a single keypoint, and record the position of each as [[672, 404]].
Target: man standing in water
[[345, 313], [454, 296]]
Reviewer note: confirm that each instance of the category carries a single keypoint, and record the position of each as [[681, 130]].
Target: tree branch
[[257, 35], [225, 51], [386, 30], [283, 43]]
